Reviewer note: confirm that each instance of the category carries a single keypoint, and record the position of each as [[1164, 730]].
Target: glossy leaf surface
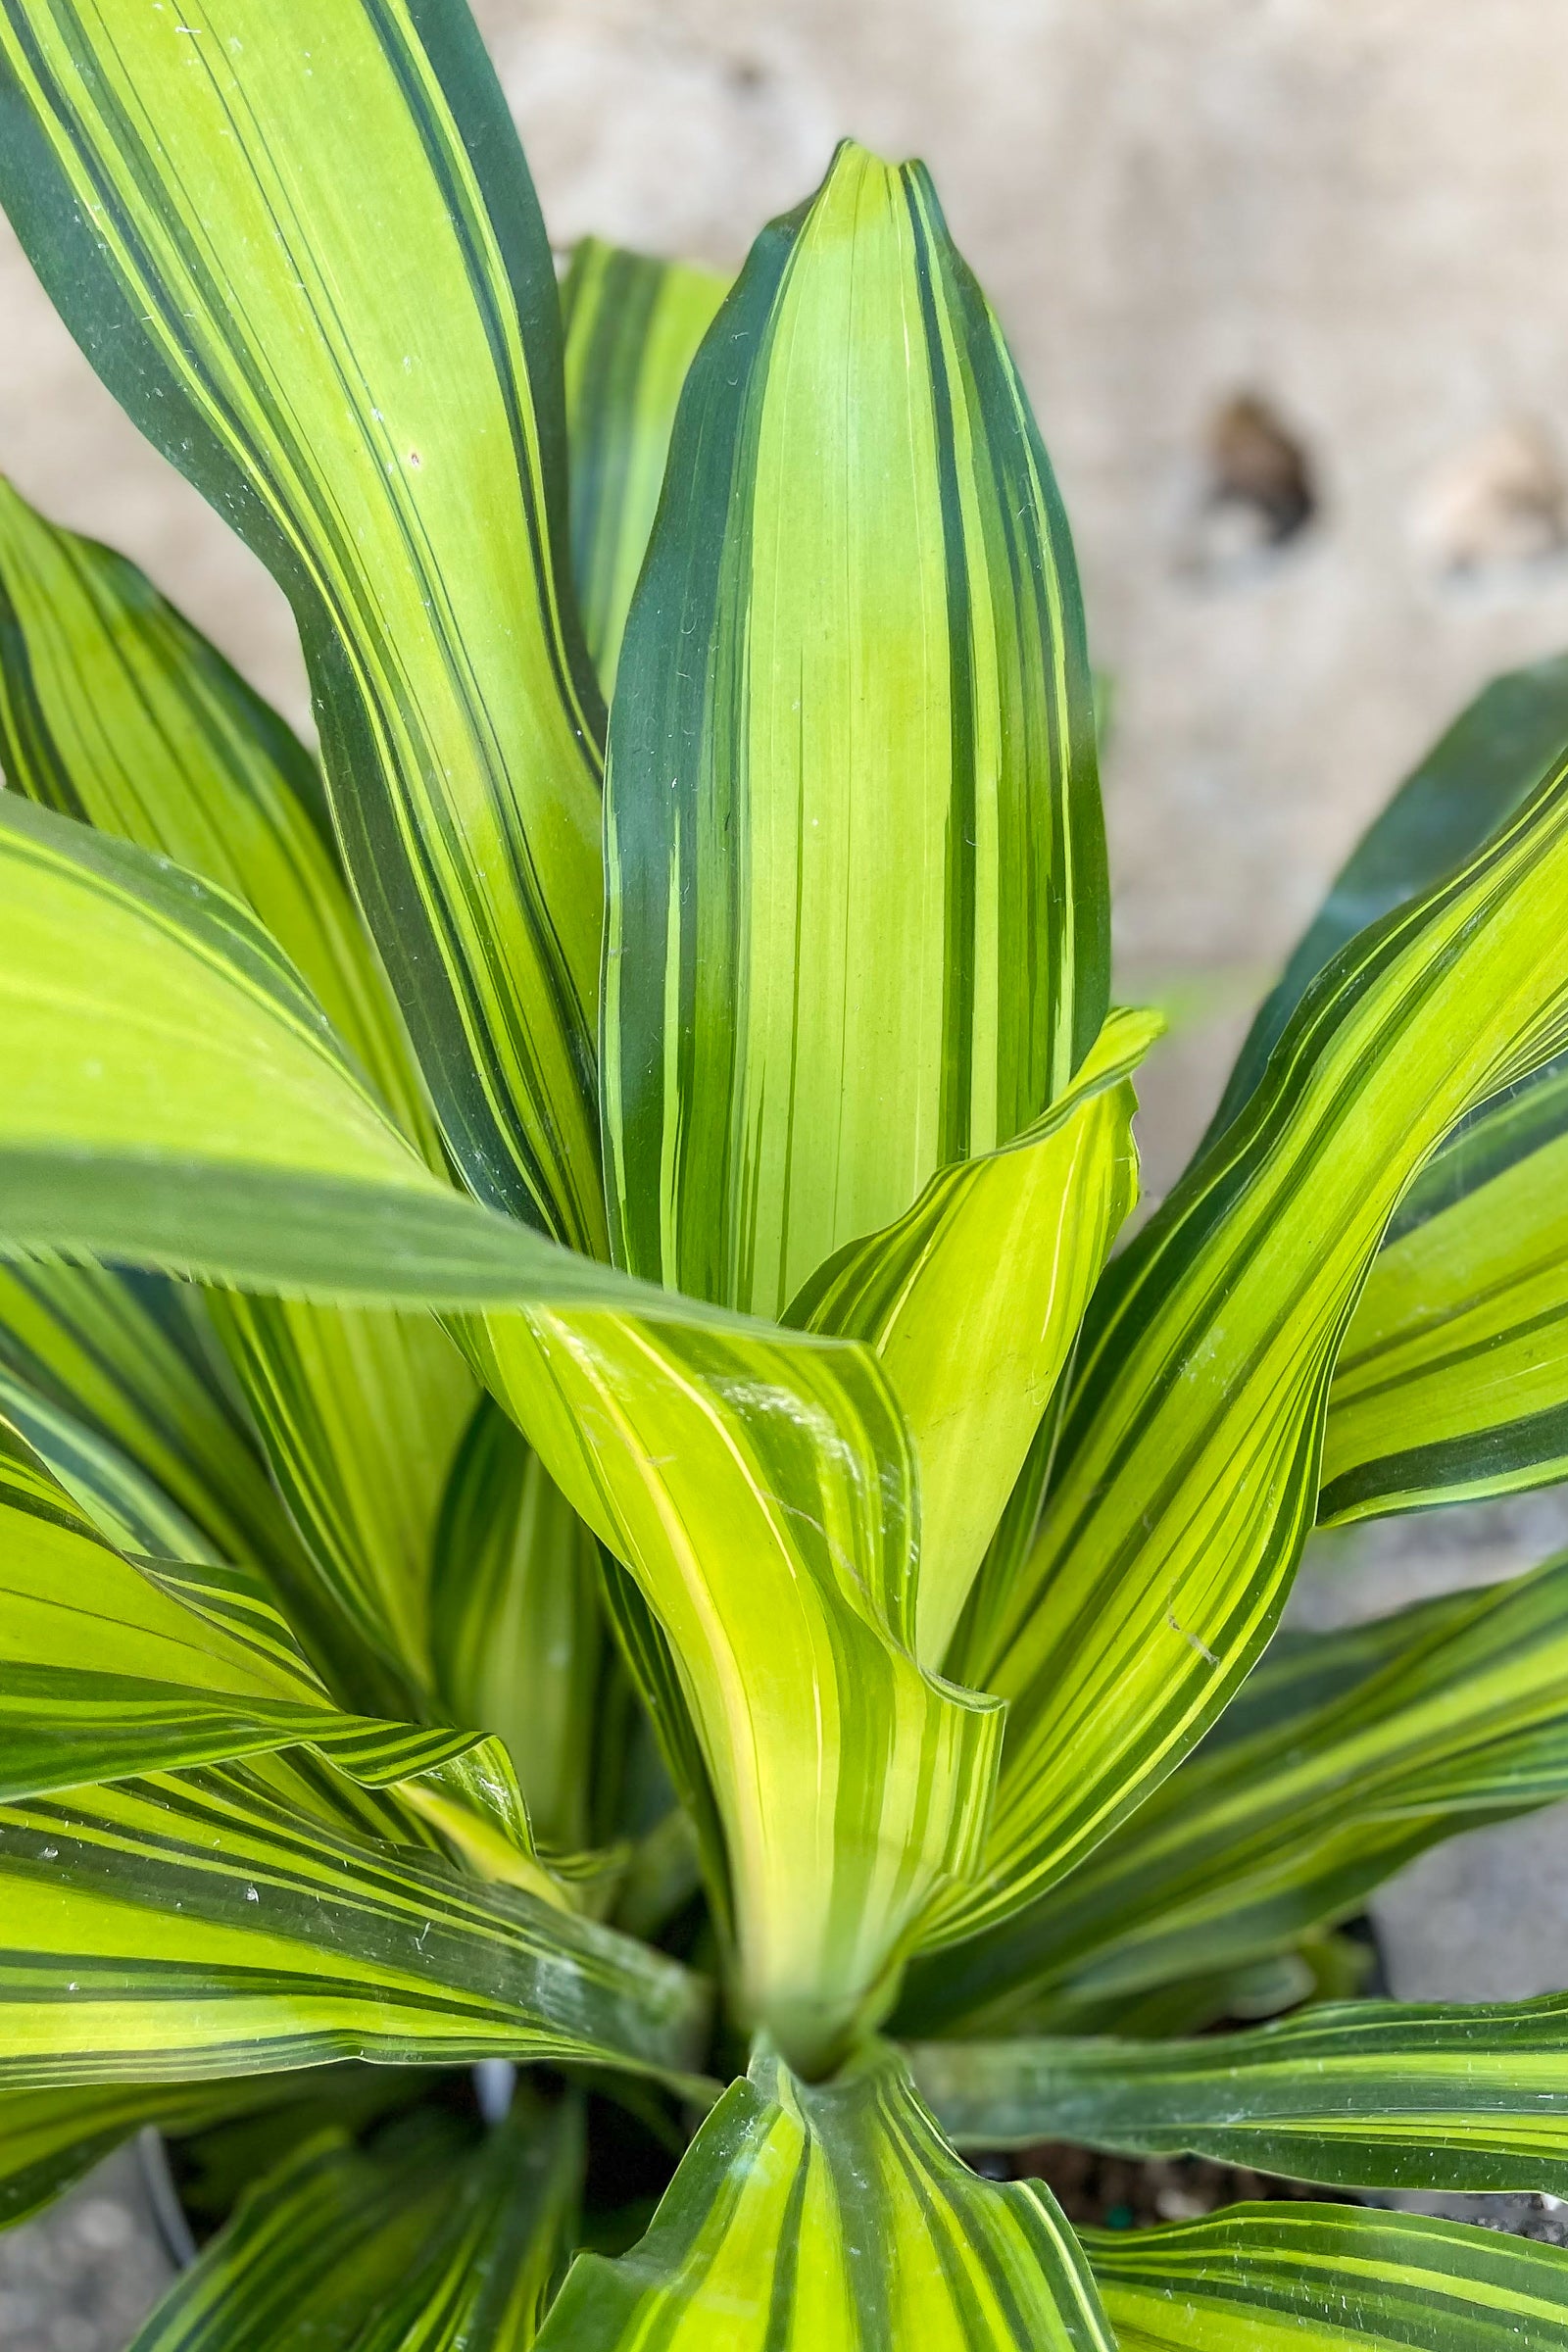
[[1325, 2279], [202, 1928], [973, 1299], [632, 325], [1185, 1477], [1453, 1382], [216, 1127], [369, 390], [123, 1505], [1345, 1756], [108, 1668], [129, 1366], [760, 1487], [835, 2219], [112, 709], [857, 912], [759, 1483], [361, 1413], [1371, 2094], [121, 1383]]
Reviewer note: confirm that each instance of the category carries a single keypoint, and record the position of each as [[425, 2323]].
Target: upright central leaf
[[302, 248], [857, 886]]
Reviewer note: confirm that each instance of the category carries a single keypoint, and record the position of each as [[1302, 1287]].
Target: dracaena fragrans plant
[[581, 1485]]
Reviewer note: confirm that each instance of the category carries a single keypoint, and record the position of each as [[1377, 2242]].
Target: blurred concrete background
[[1288, 281], [81, 2279]]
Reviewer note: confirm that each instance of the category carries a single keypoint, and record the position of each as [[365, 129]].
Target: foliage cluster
[[581, 1485]]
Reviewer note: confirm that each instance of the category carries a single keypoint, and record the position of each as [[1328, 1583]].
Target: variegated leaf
[[972, 1301], [427, 2244], [1371, 2094], [371, 391], [191, 1925], [1344, 1755], [833, 2218], [1328, 2279], [632, 326], [1185, 1477], [857, 886]]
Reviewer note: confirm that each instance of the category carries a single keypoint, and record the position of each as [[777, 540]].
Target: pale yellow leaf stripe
[[354, 384], [114, 709], [1188, 1472], [1328, 2279], [759, 1483], [632, 325], [972, 1301], [834, 2218], [857, 902]]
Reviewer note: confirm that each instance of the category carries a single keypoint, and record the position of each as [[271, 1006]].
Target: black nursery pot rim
[[175, 2232]]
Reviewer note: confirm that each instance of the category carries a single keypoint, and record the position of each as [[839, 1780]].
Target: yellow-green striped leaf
[[1453, 1382], [361, 1413], [835, 2219], [48, 2139], [1186, 1479], [698, 1854], [190, 1925], [176, 1099], [1344, 1755], [759, 1483], [972, 1301], [114, 710], [109, 1669], [760, 1487], [121, 1384], [358, 361], [1007, 1554], [317, 2244], [518, 1635], [632, 327], [424, 2245], [99, 1655], [1369, 2095], [117, 1327], [1474, 777], [121, 1503], [856, 890], [125, 1371], [1328, 2279]]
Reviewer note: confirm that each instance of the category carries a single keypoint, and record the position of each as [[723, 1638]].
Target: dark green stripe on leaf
[[857, 886], [1328, 2279], [371, 392], [632, 325], [1472, 779]]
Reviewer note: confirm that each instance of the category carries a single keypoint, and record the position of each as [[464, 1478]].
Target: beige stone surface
[[1357, 213]]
